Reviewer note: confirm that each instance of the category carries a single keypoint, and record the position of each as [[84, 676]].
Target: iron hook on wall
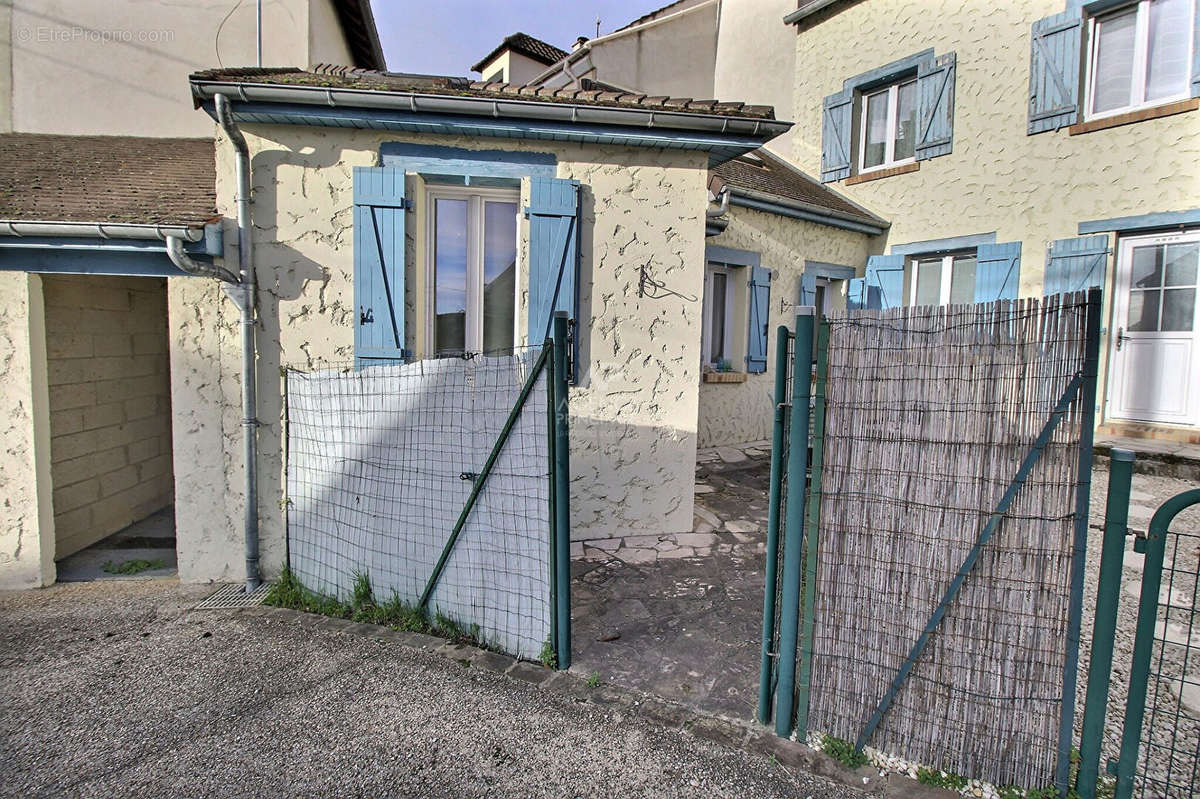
[[656, 289]]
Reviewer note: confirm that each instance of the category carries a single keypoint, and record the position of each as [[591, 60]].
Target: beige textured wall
[[633, 417], [326, 42], [110, 410], [1032, 189], [756, 56], [734, 413], [26, 519], [120, 67]]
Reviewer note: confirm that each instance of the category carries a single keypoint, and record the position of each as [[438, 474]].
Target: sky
[[445, 37]]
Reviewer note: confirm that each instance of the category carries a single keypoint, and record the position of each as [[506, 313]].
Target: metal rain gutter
[[806, 10], [413, 102], [760, 201], [101, 230], [182, 260]]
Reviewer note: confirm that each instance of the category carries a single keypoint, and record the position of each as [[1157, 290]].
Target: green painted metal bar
[[1104, 628], [793, 540], [1143, 638], [477, 486], [993, 522], [562, 487], [1083, 497], [813, 530], [553, 563], [765, 670]]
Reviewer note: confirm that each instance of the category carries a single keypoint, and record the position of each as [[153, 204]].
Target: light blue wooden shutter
[[885, 281], [759, 297], [1054, 71], [379, 205], [835, 136], [1075, 264], [998, 268], [856, 294], [808, 288], [1196, 53], [935, 105], [553, 213]]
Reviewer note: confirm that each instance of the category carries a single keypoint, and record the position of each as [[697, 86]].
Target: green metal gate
[[1160, 741]]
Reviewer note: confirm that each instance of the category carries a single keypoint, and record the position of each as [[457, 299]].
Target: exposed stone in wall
[[110, 410], [633, 416], [734, 413], [26, 525]]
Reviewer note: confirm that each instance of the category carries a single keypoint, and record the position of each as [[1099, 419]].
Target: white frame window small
[[476, 199], [945, 265], [710, 280], [895, 131], [1140, 60]]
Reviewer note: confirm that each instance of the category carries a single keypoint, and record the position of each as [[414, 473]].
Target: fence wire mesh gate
[[442, 481], [932, 572]]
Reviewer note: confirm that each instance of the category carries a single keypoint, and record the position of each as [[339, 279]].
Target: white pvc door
[[1155, 355]]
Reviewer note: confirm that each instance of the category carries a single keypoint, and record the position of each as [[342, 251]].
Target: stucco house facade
[[1045, 146]]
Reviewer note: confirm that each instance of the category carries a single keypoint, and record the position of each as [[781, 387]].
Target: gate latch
[[366, 317], [1139, 541]]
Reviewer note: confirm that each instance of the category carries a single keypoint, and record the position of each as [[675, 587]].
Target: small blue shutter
[[998, 268], [856, 294], [759, 297], [553, 213], [935, 104], [1054, 71], [835, 136], [885, 281], [1075, 264], [808, 288], [379, 263]]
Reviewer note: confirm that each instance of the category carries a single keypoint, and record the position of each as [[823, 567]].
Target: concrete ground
[[151, 540], [117, 688], [680, 616]]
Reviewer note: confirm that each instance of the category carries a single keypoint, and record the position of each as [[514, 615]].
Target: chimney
[[580, 42]]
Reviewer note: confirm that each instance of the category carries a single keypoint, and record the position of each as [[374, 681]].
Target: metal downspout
[[244, 295], [183, 261]]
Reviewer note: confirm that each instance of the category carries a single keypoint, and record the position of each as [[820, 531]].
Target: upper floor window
[[1090, 71], [1139, 56], [887, 135], [893, 116]]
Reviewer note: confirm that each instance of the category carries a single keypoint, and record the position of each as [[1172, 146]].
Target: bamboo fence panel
[[929, 414]]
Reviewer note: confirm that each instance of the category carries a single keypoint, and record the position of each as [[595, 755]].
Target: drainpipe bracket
[[239, 293]]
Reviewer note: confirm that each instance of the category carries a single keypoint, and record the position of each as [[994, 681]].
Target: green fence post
[[1143, 637], [813, 530], [794, 533], [562, 491], [768, 636], [1083, 494], [552, 565], [1116, 518]]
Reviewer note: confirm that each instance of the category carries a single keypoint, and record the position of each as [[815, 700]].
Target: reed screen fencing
[[929, 415]]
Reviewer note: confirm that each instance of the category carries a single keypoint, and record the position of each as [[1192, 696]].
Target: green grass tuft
[[132, 566], [363, 607], [843, 752], [594, 680], [547, 656], [941, 779]]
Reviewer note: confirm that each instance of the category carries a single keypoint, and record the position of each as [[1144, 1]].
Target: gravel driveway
[[117, 689]]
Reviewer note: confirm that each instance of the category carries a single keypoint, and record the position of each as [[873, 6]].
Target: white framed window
[[717, 339], [888, 126], [1139, 55], [941, 279], [471, 269]]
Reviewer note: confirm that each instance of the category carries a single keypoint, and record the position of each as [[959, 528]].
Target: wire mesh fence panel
[[929, 414], [381, 461], [1170, 752]]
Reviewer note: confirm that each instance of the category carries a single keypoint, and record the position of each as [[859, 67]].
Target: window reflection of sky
[[450, 256], [499, 239]]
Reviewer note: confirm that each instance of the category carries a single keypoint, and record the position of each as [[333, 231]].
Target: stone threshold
[[1157, 458], [731, 733]]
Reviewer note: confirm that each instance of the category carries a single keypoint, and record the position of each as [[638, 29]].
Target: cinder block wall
[[110, 404]]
